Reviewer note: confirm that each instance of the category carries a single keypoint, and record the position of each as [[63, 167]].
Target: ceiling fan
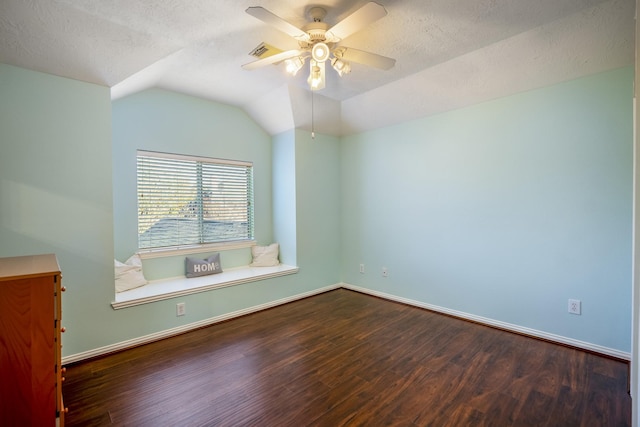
[[320, 43]]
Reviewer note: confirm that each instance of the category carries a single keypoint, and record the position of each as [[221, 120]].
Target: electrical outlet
[[575, 306], [361, 268], [181, 309], [385, 272]]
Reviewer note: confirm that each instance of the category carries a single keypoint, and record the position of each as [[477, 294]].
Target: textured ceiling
[[449, 53]]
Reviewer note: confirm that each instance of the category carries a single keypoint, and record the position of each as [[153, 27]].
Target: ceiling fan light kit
[[320, 52], [293, 65], [316, 75], [341, 67], [319, 41]]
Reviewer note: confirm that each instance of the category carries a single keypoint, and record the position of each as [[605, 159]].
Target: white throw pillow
[[129, 274], [265, 256]]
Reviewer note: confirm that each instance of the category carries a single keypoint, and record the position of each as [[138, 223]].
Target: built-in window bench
[[157, 290]]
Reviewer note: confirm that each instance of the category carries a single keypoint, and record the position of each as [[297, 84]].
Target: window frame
[[188, 248]]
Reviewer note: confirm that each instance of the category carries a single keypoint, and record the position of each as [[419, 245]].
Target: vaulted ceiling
[[449, 53]]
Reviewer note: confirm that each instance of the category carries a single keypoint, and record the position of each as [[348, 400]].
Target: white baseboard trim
[[123, 345], [498, 324]]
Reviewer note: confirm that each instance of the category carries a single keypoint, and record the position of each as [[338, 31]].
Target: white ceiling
[[449, 53]]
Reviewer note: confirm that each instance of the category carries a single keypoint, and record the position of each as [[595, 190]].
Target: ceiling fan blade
[[359, 19], [365, 58], [272, 59], [275, 21]]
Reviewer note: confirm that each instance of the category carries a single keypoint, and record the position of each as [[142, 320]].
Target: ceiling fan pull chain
[[313, 133]]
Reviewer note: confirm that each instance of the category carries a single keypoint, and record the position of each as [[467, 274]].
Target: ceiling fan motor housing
[[316, 31]]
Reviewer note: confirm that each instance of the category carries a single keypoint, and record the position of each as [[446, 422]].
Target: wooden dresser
[[30, 342]]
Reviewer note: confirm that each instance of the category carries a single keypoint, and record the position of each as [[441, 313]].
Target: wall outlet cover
[[575, 306], [181, 309]]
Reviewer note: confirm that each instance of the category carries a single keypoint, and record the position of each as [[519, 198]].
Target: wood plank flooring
[[347, 359]]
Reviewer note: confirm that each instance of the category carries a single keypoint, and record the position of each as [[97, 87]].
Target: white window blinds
[[187, 201]]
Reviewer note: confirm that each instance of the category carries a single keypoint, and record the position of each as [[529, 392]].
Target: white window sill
[[158, 290], [196, 249]]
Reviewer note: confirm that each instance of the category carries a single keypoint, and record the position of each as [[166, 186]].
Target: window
[[190, 201]]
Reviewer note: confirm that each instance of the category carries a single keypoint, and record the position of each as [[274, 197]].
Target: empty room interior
[[400, 212]]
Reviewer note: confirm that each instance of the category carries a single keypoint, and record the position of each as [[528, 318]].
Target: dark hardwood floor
[[344, 358]]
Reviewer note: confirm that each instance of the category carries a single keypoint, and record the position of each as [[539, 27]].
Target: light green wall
[[503, 210], [318, 209], [56, 194], [306, 172], [284, 196], [55, 191]]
